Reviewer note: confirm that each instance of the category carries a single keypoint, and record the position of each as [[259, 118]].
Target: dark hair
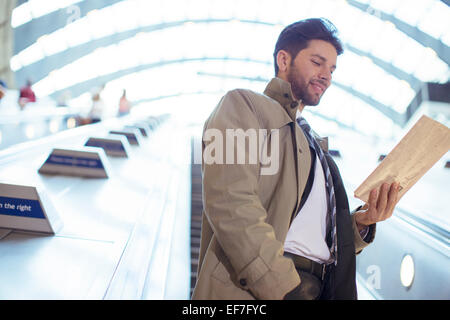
[[296, 36]]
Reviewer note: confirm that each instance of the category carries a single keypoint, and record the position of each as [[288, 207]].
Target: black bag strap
[[309, 182]]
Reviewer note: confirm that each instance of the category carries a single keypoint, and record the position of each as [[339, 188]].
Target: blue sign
[[106, 145], [142, 130], [64, 160], [21, 208], [130, 136]]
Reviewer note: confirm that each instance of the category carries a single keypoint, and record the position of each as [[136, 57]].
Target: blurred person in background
[[124, 105], [8, 99], [98, 106], [26, 94], [3, 88]]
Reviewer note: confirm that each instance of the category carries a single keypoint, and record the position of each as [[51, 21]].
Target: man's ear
[[283, 61]]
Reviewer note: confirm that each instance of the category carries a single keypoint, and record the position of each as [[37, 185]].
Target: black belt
[[307, 265]]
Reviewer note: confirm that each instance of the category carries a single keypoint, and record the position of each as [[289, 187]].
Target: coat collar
[[281, 91]]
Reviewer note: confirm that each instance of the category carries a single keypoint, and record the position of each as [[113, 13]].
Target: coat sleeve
[[361, 243], [233, 208]]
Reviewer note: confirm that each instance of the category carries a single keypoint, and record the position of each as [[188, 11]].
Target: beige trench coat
[[246, 214]]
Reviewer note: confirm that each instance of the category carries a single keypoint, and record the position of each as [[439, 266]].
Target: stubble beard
[[300, 88]]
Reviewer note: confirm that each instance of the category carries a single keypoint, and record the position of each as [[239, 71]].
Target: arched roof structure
[[165, 48]]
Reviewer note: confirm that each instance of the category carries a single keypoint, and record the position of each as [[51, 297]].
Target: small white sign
[[143, 129], [133, 135], [152, 122], [27, 208], [114, 145], [85, 162], [145, 125]]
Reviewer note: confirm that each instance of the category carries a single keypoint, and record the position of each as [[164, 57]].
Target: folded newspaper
[[424, 144]]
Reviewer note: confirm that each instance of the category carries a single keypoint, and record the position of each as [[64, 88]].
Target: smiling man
[[288, 235], [310, 72]]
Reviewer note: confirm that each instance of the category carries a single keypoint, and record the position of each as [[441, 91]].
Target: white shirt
[[307, 233]]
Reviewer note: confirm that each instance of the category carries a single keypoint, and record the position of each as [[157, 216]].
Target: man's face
[[310, 72]]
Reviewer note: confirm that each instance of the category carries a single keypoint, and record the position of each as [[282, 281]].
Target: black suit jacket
[[341, 279]]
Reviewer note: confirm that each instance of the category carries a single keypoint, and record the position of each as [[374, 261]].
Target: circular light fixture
[[407, 271]]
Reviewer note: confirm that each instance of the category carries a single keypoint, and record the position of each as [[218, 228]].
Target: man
[[26, 94], [288, 234], [124, 105], [98, 107]]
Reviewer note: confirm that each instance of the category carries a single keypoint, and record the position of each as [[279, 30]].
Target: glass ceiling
[[220, 45]]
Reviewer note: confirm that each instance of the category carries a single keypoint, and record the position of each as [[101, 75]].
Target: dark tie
[[331, 216]]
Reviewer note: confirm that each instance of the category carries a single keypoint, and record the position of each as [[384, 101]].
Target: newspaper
[[424, 144]]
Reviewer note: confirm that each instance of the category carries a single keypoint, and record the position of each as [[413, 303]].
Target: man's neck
[[301, 105]]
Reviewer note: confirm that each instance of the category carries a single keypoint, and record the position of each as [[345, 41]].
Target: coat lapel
[[281, 91]]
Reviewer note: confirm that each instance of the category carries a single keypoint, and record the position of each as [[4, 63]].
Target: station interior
[[149, 73]]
